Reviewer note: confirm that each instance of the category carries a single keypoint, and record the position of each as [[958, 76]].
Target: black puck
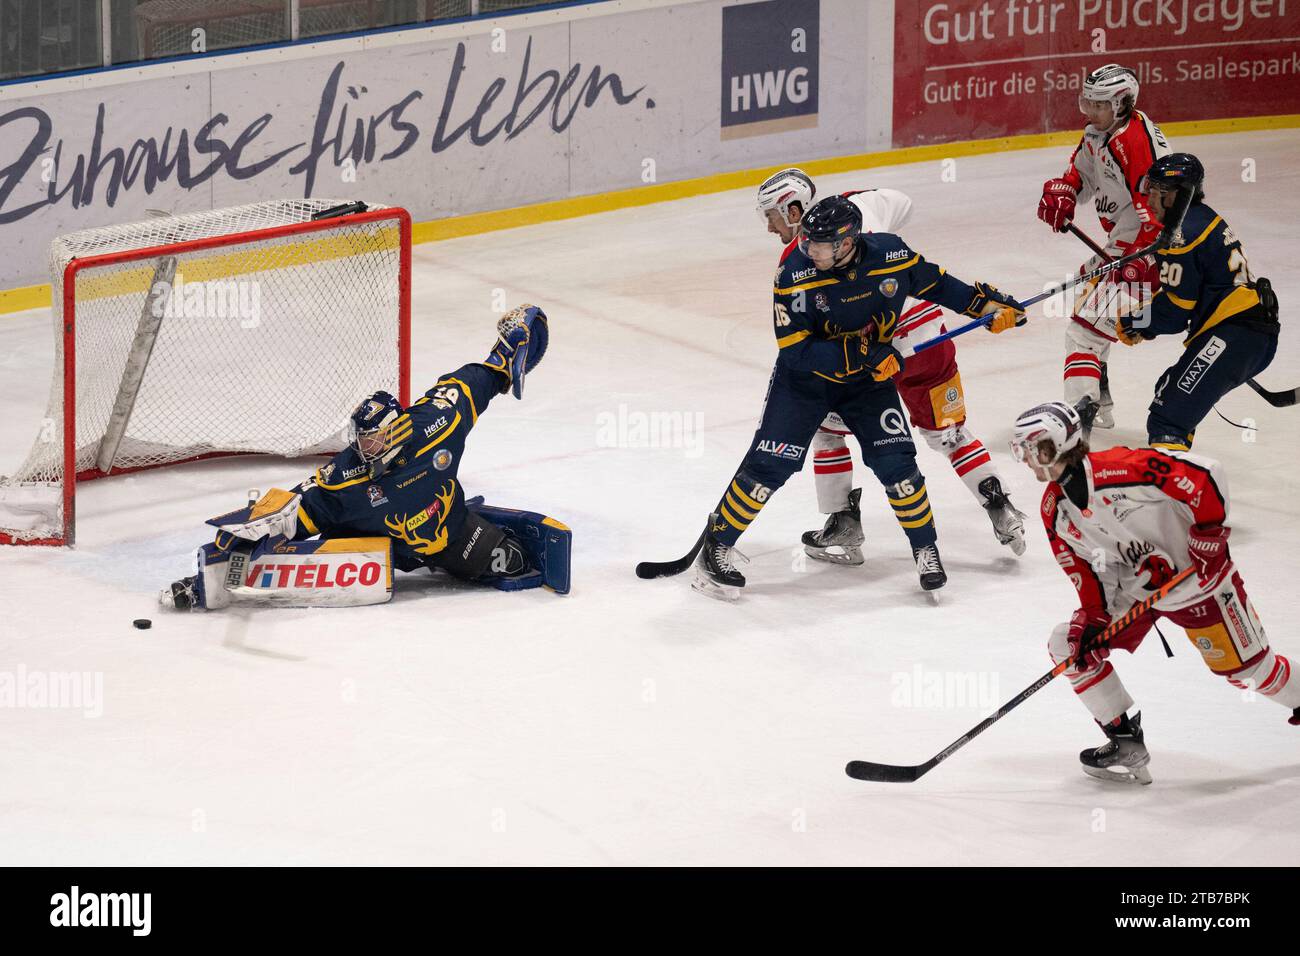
[[143, 623]]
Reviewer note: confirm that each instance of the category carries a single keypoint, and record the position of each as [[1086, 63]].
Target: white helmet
[[1113, 84], [781, 189], [1055, 422]]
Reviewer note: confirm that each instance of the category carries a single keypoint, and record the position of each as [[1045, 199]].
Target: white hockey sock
[[832, 471]]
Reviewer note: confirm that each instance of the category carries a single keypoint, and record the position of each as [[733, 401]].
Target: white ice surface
[[637, 722]]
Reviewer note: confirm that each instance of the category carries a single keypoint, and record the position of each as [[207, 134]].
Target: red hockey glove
[[1085, 625], [1207, 545], [1056, 208]]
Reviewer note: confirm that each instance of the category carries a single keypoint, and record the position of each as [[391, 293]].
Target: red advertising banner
[[977, 69]]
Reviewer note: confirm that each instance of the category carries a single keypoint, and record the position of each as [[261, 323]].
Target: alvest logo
[[770, 57]]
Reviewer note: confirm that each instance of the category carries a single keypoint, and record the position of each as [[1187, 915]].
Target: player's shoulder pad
[[886, 250], [345, 468], [1118, 465], [795, 269]]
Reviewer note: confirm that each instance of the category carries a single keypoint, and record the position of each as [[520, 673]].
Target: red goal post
[[312, 314]]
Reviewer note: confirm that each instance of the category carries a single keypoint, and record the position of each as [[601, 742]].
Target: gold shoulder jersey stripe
[[898, 268], [1195, 242]]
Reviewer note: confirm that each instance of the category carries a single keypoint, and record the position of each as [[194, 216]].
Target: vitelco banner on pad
[[976, 69]]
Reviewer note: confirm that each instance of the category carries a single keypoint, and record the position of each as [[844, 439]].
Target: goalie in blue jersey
[[392, 499]]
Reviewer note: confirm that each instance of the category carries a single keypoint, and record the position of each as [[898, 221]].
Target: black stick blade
[[882, 772], [666, 569]]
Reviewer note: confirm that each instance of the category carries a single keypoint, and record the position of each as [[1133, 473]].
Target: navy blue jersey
[[818, 316], [419, 502], [1203, 281]]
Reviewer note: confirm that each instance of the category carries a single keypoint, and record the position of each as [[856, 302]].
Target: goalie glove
[[522, 337], [275, 513]]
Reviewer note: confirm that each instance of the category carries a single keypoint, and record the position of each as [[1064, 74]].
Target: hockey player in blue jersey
[[836, 304], [1207, 293], [394, 494]]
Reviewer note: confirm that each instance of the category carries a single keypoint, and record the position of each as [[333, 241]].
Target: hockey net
[[254, 329]]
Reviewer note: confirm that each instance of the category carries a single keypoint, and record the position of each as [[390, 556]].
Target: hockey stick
[[1164, 239], [666, 569], [1283, 399], [893, 773]]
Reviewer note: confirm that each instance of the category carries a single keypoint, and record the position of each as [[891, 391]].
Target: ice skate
[[929, 568], [715, 571], [1105, 417], [839, 541], [182, 595], [1008, 523], [1123, 758]]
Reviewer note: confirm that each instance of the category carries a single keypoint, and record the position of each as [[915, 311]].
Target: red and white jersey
[[883, 210], [1131, 535], [1108, 167]]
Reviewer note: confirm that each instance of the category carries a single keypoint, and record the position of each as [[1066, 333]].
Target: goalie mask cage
[[254, 329]]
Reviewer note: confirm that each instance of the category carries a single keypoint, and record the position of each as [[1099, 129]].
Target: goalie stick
[[894, 773], [666, 569], [1283, 399]]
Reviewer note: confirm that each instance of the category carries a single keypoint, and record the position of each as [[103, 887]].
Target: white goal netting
[[239, 342]]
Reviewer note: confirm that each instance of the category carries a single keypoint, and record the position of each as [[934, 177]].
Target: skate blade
[[1104, 419], [1017, 545], [719, 592], [850, 557], [1120, 774]]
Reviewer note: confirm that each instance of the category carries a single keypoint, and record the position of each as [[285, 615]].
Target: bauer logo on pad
[[770, 59]]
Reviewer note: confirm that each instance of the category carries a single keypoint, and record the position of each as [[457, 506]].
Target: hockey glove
[[1056, 208], [275, 513], [883, 359], [522, 337], [1127, 329], [1006, 312], [1086, 625], [1207, 545]]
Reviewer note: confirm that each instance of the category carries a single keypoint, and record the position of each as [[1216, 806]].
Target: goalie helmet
[[1113, 84], [1045, 433], [377, 430], [781, 189]]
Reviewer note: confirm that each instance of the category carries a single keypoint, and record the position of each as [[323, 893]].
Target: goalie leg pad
[[334, 572], [547, 542]]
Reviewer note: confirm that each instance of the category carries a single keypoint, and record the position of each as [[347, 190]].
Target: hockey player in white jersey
[[1118, 146], [1122, 523], [929, 385]]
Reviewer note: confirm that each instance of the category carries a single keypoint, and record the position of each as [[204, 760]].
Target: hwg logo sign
[[769, 67], [76, 908]]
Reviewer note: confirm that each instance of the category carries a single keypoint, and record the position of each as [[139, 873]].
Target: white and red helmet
[[1043, 434], [1113, 84], [781, 189]]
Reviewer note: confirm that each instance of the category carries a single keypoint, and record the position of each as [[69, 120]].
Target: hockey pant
[[1222, 627], [1213, 365], [931, 390]]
